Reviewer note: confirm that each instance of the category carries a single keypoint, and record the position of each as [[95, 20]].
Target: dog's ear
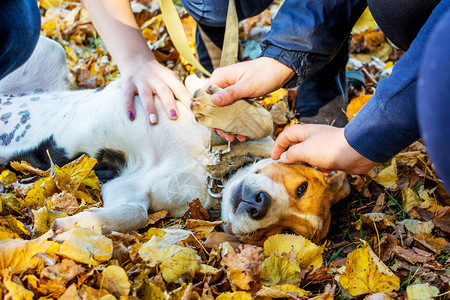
[[339, 185]]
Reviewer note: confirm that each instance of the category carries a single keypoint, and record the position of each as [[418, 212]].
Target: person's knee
[[19, 33]]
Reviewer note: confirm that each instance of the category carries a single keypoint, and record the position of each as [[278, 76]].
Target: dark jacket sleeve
[[306, 34], [388, 122]]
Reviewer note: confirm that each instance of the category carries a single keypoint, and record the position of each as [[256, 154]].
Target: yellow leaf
[[85, 246], [411, 200], [366, 274], [115, 280], [282, 291], [14, 225], [70, 176], [42, 189], [273, 97], [19, 255], [364, 22], [11, 201], [175, 262], [43, 219], [16, 291], [201, 228], [26, 168], [282, 269], [423, 291], [307, 253], [235, 296], [387, 177], [152, 231], [7, 178]]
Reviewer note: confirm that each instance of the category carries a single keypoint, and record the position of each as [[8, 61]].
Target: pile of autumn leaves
[[166, 260]]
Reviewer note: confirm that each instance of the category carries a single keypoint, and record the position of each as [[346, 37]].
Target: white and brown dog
[[157, 167]]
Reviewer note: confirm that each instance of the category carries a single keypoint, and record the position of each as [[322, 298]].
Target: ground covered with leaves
[[389, 240]]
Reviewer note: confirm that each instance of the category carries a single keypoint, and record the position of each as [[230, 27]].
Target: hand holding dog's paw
[[241, 117]]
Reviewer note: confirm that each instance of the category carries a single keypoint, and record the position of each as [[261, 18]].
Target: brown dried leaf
[[243, 268]]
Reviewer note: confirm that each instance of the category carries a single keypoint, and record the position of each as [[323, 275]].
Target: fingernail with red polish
[[173, 113], [130, 115]]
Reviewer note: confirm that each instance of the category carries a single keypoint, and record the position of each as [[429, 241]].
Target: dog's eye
[[287, 231], [302, 188], [257, 172]]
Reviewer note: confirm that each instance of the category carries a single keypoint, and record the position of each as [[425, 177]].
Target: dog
[[159, 167]]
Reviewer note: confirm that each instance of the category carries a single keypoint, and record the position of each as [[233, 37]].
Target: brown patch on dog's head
[[300, 202]]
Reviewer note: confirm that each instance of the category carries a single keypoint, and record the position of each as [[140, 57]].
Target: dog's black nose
[[256, 205]]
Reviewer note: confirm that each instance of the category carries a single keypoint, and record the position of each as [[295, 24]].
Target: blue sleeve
[[388, 122], [306, 34]]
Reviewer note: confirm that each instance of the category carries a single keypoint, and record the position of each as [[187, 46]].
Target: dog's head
[[270, 197]]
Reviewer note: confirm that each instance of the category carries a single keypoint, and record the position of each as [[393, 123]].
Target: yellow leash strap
[[231, 39], [176, 33]]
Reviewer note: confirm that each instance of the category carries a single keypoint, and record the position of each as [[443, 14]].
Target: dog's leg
[[125, 208], [241, 117], [45, 70]]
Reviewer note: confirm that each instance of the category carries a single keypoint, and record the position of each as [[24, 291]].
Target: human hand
[[248, 79], [321, 146], [147, 78]]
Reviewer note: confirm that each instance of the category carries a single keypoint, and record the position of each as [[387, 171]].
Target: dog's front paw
[[63, 224], [241, 117], [86, 219]]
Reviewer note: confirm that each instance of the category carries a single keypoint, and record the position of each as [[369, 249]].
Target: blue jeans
[[433, 102], [19, 33]]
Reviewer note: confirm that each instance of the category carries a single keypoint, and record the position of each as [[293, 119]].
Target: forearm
[[117, 26]]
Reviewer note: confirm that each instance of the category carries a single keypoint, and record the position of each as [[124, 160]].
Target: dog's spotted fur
[[154, 167]]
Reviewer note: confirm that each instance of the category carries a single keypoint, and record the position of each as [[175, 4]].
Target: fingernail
[[130, 115], [283, 156], [152, 118], [173, 113], [217, 98]]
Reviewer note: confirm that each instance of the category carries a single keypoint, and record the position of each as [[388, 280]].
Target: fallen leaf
[[16, 291], [155, 217], [307, 253], [280, 270], [356, 104], [421, 291], [244, 267], [411, 199], [85, 245], [70, 176], [19, 255], [442, 219], [115, 280], [66, 270], [196, 211], [43, 219], [417, 227], [435, 244], [235, 296], [42, 189], [366, 274], [175, 262], [387, 177], [27, 169], [7, 178], [412, 256], [65, 202], [282, 291]]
